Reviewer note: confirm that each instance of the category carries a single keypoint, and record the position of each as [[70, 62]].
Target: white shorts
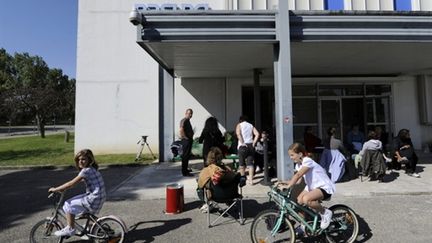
[[75, 205]]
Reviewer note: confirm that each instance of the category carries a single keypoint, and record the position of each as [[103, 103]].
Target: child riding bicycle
[[318, 184], [94, 197]]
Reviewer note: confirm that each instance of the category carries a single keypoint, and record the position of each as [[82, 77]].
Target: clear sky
[[46, 28]]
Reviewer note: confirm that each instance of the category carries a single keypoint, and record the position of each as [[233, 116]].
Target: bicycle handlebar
[[54, 194], [285, 192]]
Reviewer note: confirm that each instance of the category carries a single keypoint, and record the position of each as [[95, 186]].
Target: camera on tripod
[[143, 139], [142, 142]]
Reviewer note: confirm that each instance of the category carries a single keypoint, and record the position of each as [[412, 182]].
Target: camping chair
[[373, 164], [217, 195]]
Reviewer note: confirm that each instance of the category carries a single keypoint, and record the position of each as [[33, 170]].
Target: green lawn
[[52, 150]]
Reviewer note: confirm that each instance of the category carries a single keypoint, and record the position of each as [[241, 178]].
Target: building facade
[[347, 62]]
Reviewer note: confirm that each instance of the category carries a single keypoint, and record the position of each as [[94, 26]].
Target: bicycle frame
[[91, 220], [290, 207]]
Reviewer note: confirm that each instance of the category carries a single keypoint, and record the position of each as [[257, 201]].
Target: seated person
[[355, 139], [404, 153], [373, 144], [382, 136], [310, 140], [217, 175], [332, 142]]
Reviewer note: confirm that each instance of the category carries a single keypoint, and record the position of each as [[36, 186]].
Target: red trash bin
[[174, 198]]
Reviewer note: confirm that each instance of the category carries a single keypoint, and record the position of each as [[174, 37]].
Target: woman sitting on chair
[[216, 171], [219, 176]]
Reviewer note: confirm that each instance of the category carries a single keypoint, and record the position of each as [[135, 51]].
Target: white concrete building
[[325, 63]]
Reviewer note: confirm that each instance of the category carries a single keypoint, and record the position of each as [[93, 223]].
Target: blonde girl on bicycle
[[92, 200], [318, 184]]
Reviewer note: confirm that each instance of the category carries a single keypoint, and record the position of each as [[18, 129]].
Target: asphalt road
[[382, 218]]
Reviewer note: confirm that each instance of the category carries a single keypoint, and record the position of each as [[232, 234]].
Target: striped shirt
[[95, 189]]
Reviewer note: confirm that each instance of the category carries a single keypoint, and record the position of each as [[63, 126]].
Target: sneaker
[[204, 208], [66, 231], [414, 175], [326, 218]]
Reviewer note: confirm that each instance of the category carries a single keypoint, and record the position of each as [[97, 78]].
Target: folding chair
[[220, 195]]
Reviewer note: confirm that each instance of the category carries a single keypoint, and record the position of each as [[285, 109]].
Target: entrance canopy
[[284, 44], [323, 43]]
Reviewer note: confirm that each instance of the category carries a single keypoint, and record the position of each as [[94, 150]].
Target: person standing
[[186, 136], [211, 136], [247, 136]]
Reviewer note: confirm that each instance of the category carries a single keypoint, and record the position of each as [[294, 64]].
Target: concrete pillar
[[166, 114], [283, 96]]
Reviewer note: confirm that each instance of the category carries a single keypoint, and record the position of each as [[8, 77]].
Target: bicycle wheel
[[265, 222], [43, 231], [108, 230], [344, 226]]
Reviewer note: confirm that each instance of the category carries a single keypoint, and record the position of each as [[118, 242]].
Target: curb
[[63, 167]]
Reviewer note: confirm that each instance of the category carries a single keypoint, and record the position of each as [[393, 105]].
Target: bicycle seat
[[327, 199], [83, 215]]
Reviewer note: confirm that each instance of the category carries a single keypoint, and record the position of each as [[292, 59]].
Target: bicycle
[[105, 229], [275, 225]]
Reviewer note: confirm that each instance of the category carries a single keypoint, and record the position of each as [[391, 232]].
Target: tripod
[[142, 142]]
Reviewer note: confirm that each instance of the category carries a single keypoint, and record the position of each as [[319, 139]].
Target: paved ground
[[151, 183], [395, 211], [20, 131]]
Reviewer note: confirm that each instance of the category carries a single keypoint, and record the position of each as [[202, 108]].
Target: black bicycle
[[88, 226]]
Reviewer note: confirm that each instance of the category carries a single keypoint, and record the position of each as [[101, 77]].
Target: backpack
[[177, 148], [351, 172]]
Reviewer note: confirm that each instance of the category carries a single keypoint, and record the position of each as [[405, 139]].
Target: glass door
[[330, 116]]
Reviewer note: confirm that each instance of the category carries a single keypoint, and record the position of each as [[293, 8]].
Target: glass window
[[304, 110], [353, 90], [377, 110], [330, 90], [341, 90], [303, 90], [402, 5], [378, 89], [334, 4]]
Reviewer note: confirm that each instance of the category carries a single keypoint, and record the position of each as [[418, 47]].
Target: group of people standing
[[248, 138]]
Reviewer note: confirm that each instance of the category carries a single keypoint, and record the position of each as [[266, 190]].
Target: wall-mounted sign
[[172, 6]]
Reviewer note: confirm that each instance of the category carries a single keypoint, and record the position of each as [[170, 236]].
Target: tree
[[30, 87], [6, 77]]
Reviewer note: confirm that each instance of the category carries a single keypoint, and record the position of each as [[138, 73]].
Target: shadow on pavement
[[147, 230], [25, 192], [365, 233]]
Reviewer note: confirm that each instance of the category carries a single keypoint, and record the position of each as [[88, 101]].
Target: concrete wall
[[205, 96], [117, 81], [405, 107]]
